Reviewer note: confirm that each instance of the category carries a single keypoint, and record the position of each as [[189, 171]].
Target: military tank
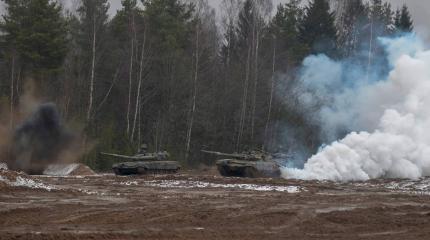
[[144, 163], [249, 165]]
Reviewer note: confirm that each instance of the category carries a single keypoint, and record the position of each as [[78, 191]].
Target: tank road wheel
[[223, 171], [124, 171], [250, 172], [142, 171]]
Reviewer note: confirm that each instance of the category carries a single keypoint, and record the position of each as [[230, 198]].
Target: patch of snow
[[199, 184], [419, 187], [30, 183], [89, 192], [3, 166], [335, 209], [129, 183], [26, 182]]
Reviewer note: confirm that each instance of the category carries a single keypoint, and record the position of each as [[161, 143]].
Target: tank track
[[135, 171]]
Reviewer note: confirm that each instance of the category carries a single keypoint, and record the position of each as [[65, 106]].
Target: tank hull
[[248, 169], [146, 167]]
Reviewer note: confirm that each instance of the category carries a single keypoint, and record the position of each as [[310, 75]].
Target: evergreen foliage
[[318, 30], [353, 28], [168, 22], [285, 27], [403, 20], [381, 18], [36, 30]]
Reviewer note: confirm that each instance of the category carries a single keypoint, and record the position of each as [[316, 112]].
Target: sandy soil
[[199, 206]]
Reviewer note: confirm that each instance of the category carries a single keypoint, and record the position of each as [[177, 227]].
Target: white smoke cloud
[[391, 117]]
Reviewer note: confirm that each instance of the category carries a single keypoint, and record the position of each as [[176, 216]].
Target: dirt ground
[[207, 206]]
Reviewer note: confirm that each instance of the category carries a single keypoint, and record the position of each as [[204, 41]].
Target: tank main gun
[[239, 156], [160, 156]]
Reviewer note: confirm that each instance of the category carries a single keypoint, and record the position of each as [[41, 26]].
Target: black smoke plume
[[40, 140]]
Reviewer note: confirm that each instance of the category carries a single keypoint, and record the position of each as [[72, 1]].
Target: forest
[[180, 75]]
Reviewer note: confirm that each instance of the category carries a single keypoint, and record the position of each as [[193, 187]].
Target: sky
[[420, 10]]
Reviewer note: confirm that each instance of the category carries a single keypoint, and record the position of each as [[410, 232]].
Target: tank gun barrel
[[249, 157], [154, 156]]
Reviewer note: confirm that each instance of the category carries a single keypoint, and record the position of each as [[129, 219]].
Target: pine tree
[[318, 30], [380, 25], [352, 27], [168, 22], [403, 20], [127, 23], [381, 18], [230, 10], [41, 52], [169, 31], [229, 45], [245, 25], [285, 29]]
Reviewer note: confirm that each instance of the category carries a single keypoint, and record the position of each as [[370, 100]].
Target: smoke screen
[[40, 140]]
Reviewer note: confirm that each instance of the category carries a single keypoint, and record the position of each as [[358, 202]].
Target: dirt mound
[[83, 170], [74, 169]]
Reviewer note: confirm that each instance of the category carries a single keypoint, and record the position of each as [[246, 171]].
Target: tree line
[[179, 75]]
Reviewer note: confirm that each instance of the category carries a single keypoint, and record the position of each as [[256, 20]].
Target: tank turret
[[251, 156]]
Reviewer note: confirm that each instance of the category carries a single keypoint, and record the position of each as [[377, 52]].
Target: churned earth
[[206, 206]]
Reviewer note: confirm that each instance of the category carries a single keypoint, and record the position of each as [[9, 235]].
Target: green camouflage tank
[[251, 165], [144, 163]]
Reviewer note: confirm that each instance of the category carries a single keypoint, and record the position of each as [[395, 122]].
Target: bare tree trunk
[[12, 92], [244, 100], [130, 77], [67, 100], [139, 86], [105, 98], [162, 130], [275, 131], [93, 65], [254, 97], [139, 126], [17, 84], [272, 88], [370, 49], [193, 105], [157, 131]]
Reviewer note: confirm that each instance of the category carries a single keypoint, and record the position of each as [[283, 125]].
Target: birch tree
[[129, 9], [93, 20], [202, 20], [262, 14], [142, 68], [246, 39]]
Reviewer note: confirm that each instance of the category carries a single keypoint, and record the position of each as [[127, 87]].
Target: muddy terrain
[[206, 206]]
